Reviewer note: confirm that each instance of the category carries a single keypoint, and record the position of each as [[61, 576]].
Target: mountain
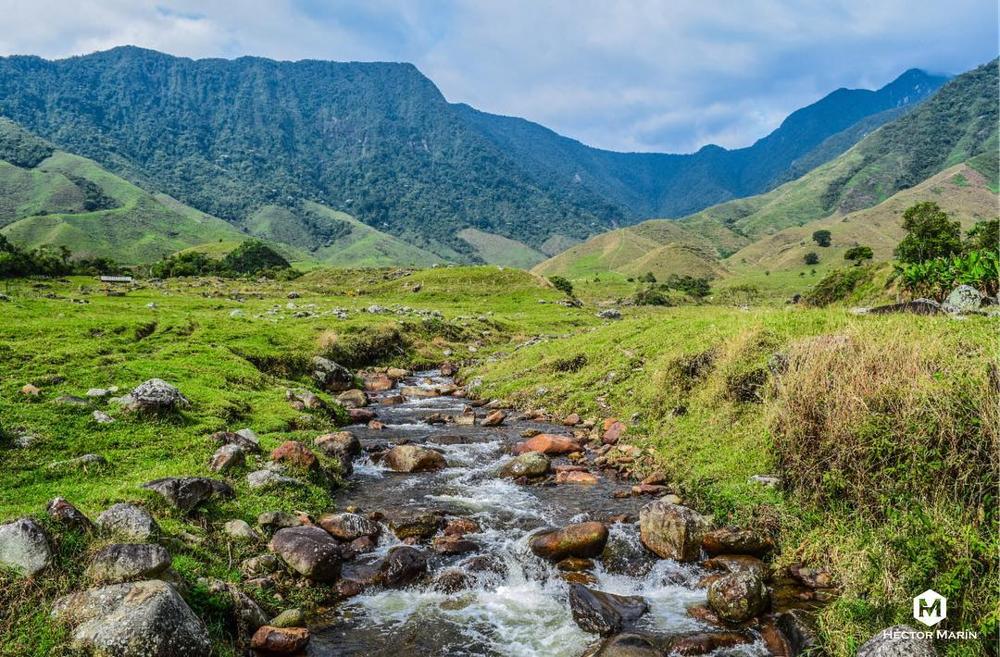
[[242, 139], [896, 163]]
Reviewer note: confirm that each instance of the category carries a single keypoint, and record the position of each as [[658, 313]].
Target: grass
[[500, 250], [885, 487]]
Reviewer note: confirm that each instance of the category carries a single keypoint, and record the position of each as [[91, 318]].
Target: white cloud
[[631, 75]]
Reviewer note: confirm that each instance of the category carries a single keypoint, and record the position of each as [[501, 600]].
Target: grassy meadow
[[883, 428]]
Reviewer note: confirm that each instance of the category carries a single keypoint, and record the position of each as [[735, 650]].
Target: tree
[[811, 258], [561, 284], [648, 277], [929, 234], [822, 237], [984, 236], [859, 254]]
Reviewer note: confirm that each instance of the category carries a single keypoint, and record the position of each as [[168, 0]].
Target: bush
[[654, 295], [250, 258], [837, 286], [821, 237], [811, 258], [648, 277], [253, 256], [698, 288], [562, 284], [984, 236], [936, 278]]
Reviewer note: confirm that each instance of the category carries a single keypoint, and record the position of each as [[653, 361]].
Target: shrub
[[562, 284], [695, 287], [936, 278], [654, 295], [984, 236], [929, 234], [837, 285], [738, 295], [811, 258], [821, 237], [648, 277], [253, 256]]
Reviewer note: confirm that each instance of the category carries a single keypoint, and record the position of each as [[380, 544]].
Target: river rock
[[403, 565], [24, 547], [799, 631], [529, 464], [732, 540], [295, 454], [353, 398], [494, 419], [672, 531], [628, 645], [585, 539], [413, 458], [963, 299], [705, 643], [604, 613], [349, 526], [891, 642], [377, 381], [453, 545], [731, 563], [138, 619], [183, 493], [341, 444], [280, 640], [738, 596], [576, 477], [419, 392], [121, 562], [360, 415], [155, 396], [129, 522], [331, 376], [309, 550], [226, 458], [612, 431], [68, 515], [547, 443], [412, 523], [461, 527]]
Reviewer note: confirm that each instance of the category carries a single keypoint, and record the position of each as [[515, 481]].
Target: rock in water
[[547, 443], [732, 540], [280, 640], [893, 642], [155, 395], [529, 464], [585, 539], [672, 531], [412, 523], [341, 444], [24, 547], [413, 458], [310, 551], [604, 613], [629, 645], [402, 565], [139, 619], [129, 522], [738, 596], [124, 561], [331, 376], [353, 398], [348, 526]]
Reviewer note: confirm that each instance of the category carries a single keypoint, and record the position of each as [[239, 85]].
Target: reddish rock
[[377, 381], [705, 643], [452, 545], [585, 539], [494, 419], [649, 489], [294, 453], [732, 540], [448, 369], [571, 420], [547, 443], [362, 545], [814, 578], [375, 425], [567, 467], [731, 563], [576, 477], [413, 458], [360, 415], [280, 640], [461, 527], [657, 478], [613, 429]]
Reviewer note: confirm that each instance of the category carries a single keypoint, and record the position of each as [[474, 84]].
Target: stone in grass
[[80, 462], [102, 418], [240, 530], [227, 457], [289, 618], [137, 619], [65, 513], [263, 479], [898, 641], [24, 547], [155, 396], [129, 522], [309, 551], [185, 493], [121, 562]]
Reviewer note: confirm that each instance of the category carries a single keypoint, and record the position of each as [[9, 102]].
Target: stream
[[519, 607]]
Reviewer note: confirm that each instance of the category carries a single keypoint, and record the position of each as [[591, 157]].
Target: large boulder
[[963, 299], [309, 551], [348, 526], [738, 596], [331, 376], [604, 613], [139, 619], [585, 539], [353, 398], [629, 645], [732, 540], [403, 565], [129, 522], [413, 458], [184, 493], [121, 562], [529, 464], [672, 531], [341, 444], [897, 641], [295, 454], [155, 396], [548, 443], [24, 547]]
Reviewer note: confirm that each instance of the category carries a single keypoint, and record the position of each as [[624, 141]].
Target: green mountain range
[[308, 153], [943, 150]]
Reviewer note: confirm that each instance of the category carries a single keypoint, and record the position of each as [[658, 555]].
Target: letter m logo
[[930, 607]]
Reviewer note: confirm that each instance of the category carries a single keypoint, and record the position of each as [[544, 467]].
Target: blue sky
[[645, 75]]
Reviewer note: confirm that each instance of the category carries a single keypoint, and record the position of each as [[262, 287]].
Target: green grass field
[[233, 347]]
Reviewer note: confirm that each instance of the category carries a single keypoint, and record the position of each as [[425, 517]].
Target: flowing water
[[522, 611]]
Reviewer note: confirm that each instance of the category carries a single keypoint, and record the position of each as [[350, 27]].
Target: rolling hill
[[945, 149], [254, 141]]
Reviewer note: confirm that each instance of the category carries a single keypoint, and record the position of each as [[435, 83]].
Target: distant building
[[116, 279]]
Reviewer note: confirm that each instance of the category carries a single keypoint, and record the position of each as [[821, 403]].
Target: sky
[[628, 75]]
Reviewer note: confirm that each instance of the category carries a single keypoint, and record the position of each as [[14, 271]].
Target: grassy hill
[[501, 250]]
